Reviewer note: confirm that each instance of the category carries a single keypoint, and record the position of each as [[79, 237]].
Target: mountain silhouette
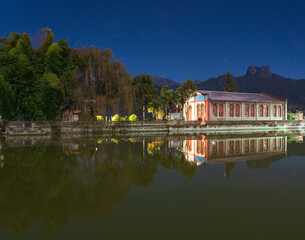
[[256, 80]]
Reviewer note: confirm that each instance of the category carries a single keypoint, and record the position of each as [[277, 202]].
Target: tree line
[[41, 79]]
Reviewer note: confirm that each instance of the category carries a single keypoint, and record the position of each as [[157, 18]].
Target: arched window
[[261, 108], [247, 110], [214, 110], [189, 113], [279, 111], [252, 110], [266, 111], [198, 110], [274, 111], [237, 110], [231, 110], [202, 110], [220, 110]]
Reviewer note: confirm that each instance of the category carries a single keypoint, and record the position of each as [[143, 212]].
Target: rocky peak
[[261, 72]]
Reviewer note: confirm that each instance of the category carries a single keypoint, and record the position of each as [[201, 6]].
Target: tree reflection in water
[[85, 179]]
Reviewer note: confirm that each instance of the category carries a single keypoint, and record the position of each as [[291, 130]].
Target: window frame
[[237, 110], [231, 107]]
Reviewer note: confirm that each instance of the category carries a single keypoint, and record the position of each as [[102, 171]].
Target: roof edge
[[270, 95]]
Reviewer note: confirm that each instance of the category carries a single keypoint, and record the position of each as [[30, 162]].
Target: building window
[[202, 110], [279, 111], [247, 110], [231, 110], [198, 110], [266, 111], [214, 110], [252, 110], [274, 111], [237, 110], [220, 110], [261, 108]]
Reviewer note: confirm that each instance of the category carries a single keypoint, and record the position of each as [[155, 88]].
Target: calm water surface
[[207, 187]]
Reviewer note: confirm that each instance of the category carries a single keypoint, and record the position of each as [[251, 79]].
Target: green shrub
[[116, 118], [133, 118], [99, 118]]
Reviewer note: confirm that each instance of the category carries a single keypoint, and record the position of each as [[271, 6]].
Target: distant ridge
[[256, 80]]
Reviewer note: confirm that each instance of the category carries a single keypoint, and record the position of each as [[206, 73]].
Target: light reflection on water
[[79, 187]]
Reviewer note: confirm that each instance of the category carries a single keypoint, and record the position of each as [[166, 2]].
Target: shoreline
[[149, 128]]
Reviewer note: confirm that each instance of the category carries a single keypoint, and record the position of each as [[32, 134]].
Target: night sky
[[174, 39]]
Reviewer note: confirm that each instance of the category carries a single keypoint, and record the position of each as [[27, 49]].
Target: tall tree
[[230, 84], [103, 84], [186, 91], [167, 95], [145, 91]]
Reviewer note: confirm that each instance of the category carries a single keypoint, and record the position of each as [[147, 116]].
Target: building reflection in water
[[212, 151]]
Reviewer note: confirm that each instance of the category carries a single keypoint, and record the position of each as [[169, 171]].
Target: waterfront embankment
[[147, 128]]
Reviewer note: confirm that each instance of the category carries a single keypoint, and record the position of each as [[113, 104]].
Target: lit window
[[274, 111], [198, 111], [261, 108], [279, 111], [237, 110], [266, 111], [220, 110], [247, 110], [252, 110], [231, 110], [202, 111], [214, 110]]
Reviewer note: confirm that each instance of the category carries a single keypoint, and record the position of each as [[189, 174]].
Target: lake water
[[181, 187]]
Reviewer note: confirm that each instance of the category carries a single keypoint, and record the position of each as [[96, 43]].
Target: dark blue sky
[[174, 39]]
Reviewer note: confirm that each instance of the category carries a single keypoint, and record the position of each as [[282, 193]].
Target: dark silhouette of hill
[[256, 80]]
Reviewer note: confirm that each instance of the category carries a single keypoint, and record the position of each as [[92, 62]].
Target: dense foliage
[[41, 79]]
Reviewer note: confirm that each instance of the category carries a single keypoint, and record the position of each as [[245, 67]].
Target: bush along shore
[[146, 127]]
